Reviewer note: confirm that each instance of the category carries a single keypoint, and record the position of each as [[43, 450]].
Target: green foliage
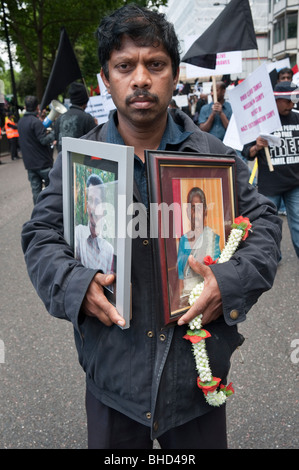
[[34, 28]]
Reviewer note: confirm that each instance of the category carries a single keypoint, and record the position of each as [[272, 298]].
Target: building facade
[[283, 30]]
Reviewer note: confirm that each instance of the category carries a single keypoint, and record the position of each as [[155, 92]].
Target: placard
[[254, 105]]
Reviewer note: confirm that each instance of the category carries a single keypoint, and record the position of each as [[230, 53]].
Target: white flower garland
[[197, 335]]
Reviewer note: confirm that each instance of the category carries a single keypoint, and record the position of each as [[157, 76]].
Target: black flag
[[232, 30], [64, 71]]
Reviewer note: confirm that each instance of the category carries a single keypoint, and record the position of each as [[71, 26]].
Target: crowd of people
[[141, 381], [35, 142]]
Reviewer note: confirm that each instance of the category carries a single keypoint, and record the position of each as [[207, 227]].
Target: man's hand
[[261, 143], [217, 107], [95, 303], [209, 304]]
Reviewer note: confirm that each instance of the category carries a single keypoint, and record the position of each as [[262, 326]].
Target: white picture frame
[[114, 164]]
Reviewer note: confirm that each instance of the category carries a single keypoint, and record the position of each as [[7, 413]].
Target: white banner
[[254, 106], [100, 106], [226, 63]]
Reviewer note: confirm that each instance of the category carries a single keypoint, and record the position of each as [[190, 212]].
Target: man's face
[[220, 92], [285, 77], [93, 201], [284, 106], [141, 82]]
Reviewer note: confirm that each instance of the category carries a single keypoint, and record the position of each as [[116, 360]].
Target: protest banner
[[226, 63], [100, 106], [279, 64], [181, 100], [254, 105]]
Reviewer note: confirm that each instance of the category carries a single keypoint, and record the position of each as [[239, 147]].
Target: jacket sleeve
[[60, 280], [246, 151], [41, 134], [252, 269]]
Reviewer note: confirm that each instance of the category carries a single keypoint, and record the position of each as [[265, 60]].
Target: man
[[282, 184], [35, 144], [75, 122], [90, 248], [11, 129], [214, 117], [285, 75], [141, 381]]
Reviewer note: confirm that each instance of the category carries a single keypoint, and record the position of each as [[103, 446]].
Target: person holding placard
[[282, 184], [214, 117]]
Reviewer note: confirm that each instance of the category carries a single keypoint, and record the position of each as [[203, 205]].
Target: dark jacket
[[145, 372], [35, 143], [74, 123]]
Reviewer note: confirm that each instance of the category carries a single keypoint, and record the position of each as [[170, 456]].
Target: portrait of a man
[[90, 247]]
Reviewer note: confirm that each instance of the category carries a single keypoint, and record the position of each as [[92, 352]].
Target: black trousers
[[109, 429], [13, 145]]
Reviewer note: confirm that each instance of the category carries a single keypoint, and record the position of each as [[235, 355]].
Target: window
[[279, 31], [292, 25]]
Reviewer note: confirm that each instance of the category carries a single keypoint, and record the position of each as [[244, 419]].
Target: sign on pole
[[101, 105], [254, 106]]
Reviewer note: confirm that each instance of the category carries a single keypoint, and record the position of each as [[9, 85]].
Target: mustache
[[142, 93]]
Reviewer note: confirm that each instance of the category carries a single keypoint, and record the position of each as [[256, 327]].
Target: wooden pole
[[267, 152], [214, 89]]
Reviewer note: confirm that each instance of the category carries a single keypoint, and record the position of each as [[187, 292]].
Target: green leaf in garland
[[196, 335]]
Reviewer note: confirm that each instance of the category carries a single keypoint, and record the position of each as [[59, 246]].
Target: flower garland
[[197, 336]]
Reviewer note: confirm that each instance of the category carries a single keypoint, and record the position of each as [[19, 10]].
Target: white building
[[283, 30]]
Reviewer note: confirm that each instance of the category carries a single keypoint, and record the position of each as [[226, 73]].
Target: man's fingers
[[209, 303], [96, 304], [104, 279]]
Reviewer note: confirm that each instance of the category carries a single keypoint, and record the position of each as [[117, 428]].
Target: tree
[[34, 28]]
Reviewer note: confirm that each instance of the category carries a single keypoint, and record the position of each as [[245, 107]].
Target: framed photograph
[[192, 206], [97, 192]]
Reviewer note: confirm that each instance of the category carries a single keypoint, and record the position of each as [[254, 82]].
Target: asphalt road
[[42, 386]]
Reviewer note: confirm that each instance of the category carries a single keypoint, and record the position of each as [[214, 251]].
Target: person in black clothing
[[141, 382], [35, 144], [75, 122], [282, 184]]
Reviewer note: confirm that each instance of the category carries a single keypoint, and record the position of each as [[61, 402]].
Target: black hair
[[31, 103], [94, 180], [143, 26], [197, 192], [285, 70]]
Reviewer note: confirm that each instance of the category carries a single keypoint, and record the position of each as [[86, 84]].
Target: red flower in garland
[[208, 386], [197, 335], [242, 223], [227, 389], [208, 260]]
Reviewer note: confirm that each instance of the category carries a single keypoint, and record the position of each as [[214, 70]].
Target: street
[[42, 386]]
